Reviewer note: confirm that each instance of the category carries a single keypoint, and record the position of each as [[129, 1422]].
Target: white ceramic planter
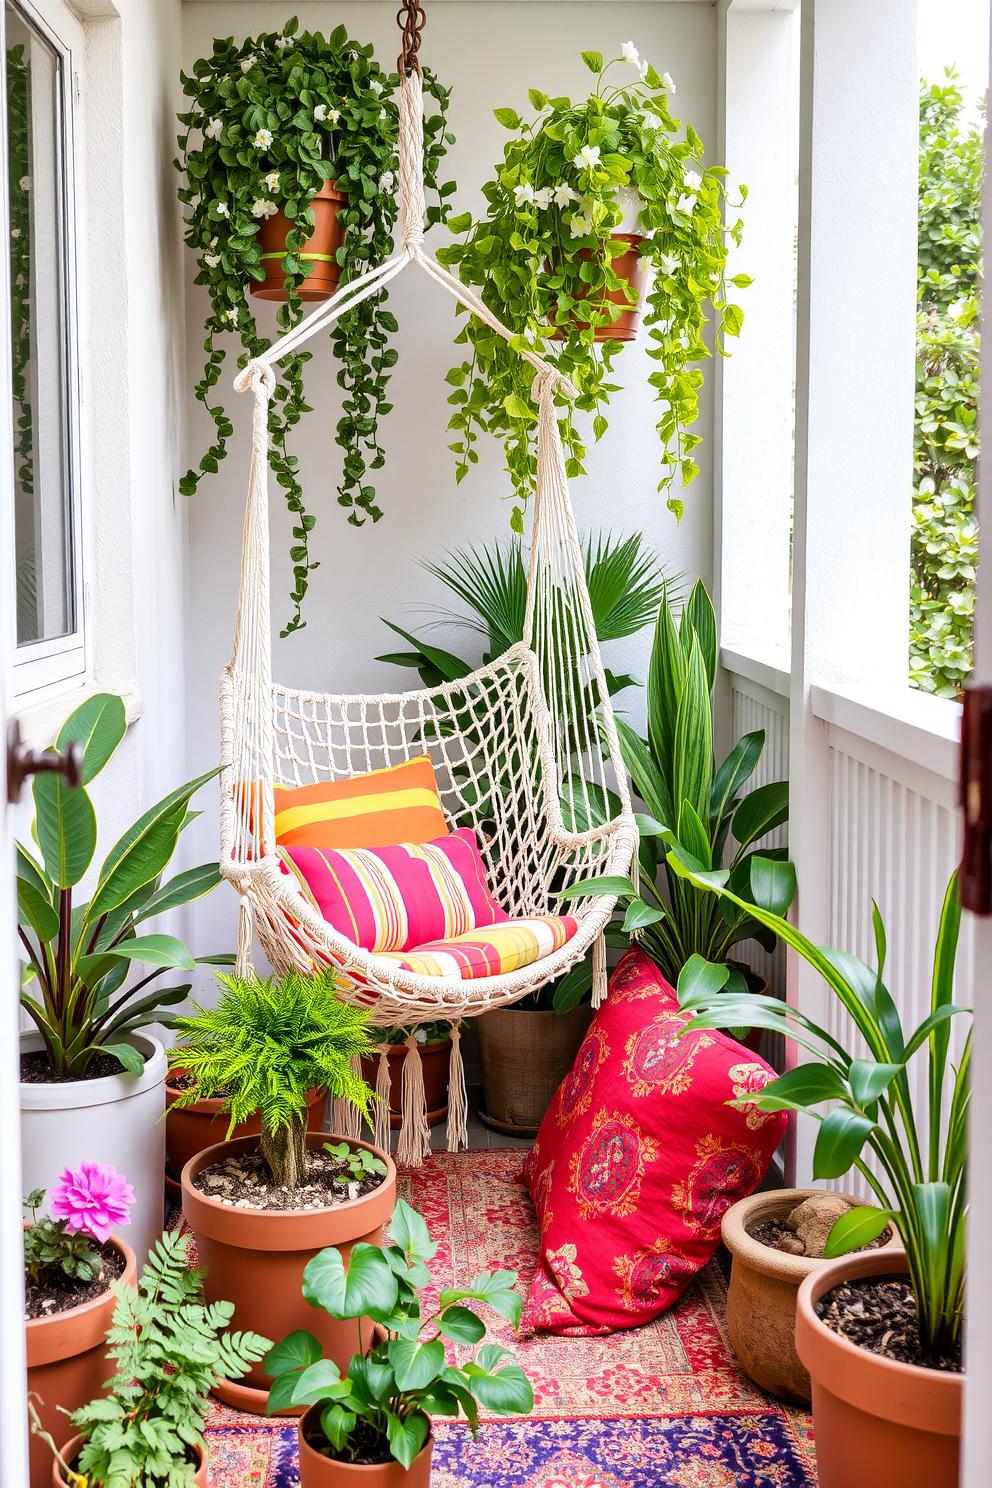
[[115, 1120]]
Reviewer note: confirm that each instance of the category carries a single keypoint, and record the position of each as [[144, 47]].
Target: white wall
[[490, 54]]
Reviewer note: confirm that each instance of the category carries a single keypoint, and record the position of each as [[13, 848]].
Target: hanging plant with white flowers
[[271, 121], [580, 188]]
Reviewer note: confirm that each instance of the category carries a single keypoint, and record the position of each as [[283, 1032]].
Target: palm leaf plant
[[381, 1408], [694, 807], [919, 1147], [79, 952], [273, 1042]]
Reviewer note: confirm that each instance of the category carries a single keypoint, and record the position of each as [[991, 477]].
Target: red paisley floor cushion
[[639, 1157]]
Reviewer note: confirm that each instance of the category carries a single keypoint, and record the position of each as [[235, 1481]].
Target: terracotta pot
[[631, 267], [319, 250], [761, 1300], [68, 1362], [436, 1061], [202, 1124], [318, 1471], [255, 1259], [878, 1424], [71, 1448], [525, 1057]]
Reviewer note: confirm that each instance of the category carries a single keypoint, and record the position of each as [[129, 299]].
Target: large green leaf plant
[[381, 1408], [271, 119], [80, 952]]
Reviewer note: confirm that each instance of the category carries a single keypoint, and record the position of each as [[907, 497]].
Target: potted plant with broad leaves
[[289, 156], [879, 1332], [261, 1206], [696, 808], [527, 1050], [71, 1257], [169, 1349], [372, 1421], [587, 197], [91, 1081]]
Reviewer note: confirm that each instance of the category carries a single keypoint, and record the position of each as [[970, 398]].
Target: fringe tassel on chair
[[346, 1118], [382, 1093], [246, 932], [599, 980], [415, 1135], [457, 1094]]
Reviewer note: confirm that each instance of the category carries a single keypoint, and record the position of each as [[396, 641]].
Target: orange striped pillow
[[399, 804]]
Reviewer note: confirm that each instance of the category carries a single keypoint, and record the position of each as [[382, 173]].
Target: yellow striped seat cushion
[[400, 804], [491, 952]]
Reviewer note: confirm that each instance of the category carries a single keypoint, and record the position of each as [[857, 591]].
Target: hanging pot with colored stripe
[[319, 251]]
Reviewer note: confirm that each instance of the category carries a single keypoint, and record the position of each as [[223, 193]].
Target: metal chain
[[412, 19]]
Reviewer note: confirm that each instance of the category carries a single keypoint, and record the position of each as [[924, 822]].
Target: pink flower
[[95, 1199]]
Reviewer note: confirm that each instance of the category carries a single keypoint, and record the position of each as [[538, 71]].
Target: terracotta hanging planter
[[204, 1124], [319, 250], [630, 267], [877, 1423], [435, 1060], [255, 1259], [761, 1299], [525, 1057], [72, 1449], [68, 1364], [318, 1471]]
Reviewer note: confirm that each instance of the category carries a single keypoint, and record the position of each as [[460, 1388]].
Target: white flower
[[15, 232], [669, 263], [333, 115], [25, 183], [247, 63], [263, 208], [642, 71], [693, 180], [213, 242], [580, 227], [668, 82], [685, 204], [263, 139], [320, 112], [523, 193], [271, 181], [222, 209], [375, 85], [214, 129], [530, 334], [629, 53], [587, 158], [542, 197], [564, 194], [387, 181], [211, 259], [421, 1036], [231, 315], [282, 42]]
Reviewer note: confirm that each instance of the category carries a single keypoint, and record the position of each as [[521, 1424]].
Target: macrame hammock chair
[[525, 749]]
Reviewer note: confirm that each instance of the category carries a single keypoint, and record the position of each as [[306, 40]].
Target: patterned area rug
[[664, 1406]]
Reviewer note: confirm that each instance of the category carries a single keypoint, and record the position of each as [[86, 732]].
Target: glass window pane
[[42, 485]]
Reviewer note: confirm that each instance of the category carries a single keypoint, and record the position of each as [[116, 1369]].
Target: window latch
[[22, 762], [976, 800]]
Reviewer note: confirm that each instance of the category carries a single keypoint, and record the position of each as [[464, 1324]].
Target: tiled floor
[[479, 1135]]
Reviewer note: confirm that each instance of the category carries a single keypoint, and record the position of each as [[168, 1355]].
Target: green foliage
[[945, 527], [432, 1033], [80, 954], [47, 1244], [920, 1153], [273, 1042], [331, 113], [19, 169], [392, 1389], [542, 260], [361, 1162], [170, 1350], [693, 809]]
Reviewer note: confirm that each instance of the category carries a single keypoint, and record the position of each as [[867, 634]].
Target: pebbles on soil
[[244, 1182], [773, 1232]]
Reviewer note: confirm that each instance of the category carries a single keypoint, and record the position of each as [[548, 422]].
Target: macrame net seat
[[525, 749]]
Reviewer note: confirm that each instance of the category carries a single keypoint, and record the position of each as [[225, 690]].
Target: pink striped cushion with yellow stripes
[[505, 947], [391, 898]]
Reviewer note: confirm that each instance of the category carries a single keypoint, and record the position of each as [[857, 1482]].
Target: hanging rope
[[412, 19]]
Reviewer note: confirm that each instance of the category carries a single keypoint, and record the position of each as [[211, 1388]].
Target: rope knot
[[257, 374], [549, 377]]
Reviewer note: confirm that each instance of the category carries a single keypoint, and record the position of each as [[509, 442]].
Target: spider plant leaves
[[652, 787], [66, 828], [736, 769], [98, 725], [666, 682], [761, 811], [839, 1142], [699, 620], [857, 1228], [693, 837], [692, 776], [365, 1284]]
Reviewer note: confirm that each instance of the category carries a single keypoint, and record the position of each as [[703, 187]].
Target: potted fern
[[170, 1348], [290, 135], [261, 1206], [370, 1422], [588, 197]]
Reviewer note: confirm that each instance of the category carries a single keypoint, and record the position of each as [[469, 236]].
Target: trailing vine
[[271, 121], [19, 197], [543, 258]]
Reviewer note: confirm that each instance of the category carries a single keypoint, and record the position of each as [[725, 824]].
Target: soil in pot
[[196, 1457], [879, 1313], [435, 1060], [36, 1069], [244, 1182], [319, 250], [804, 1230], [56, 1292], [320, 1469], [203, 1124]]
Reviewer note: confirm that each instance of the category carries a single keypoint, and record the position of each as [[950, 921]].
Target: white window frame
[[42, 669]]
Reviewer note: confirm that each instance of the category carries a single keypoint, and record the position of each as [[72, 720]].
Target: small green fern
[[273, 1042], [170, 1349]]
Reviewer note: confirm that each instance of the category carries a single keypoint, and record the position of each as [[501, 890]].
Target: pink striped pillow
[[392, 898]]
